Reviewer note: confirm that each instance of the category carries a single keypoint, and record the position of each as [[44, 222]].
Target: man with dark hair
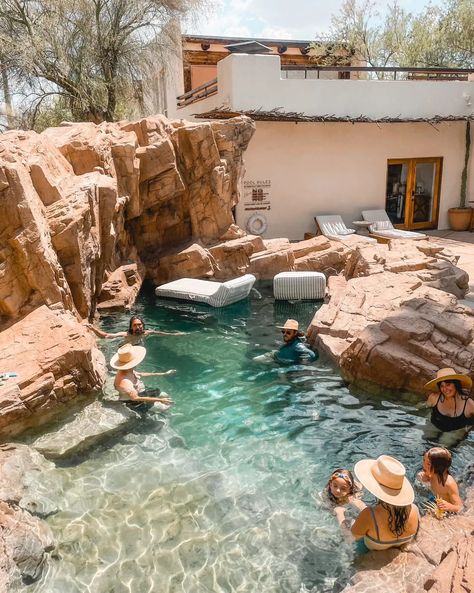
[[294, 349], [135, 334]]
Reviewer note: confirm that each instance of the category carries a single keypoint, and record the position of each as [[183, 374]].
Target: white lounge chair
[[216, 294], [332, 226], [382, 227]]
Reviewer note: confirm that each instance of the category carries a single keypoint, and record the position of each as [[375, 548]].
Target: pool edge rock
[[440, 560], [394, 318], [25, 539]]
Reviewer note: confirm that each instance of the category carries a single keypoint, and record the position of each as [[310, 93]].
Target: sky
[[274, 19]]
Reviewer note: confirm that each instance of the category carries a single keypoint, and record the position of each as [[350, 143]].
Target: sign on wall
[[257, 194]]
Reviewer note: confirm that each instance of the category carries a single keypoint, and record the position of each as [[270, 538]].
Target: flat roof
[[277, 115], [229, 40]]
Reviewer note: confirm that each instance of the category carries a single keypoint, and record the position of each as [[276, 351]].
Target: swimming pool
[[218, 494]]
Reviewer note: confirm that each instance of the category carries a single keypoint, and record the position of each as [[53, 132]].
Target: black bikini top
[[449, 423]]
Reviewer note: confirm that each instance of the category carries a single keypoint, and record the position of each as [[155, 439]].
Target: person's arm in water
[[157, 332], [127, 386], [102, 334], [304, 353], [357, 503], [170, 372], [456, 503]]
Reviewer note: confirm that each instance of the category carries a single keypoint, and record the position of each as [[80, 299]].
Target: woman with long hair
[[393, 520]]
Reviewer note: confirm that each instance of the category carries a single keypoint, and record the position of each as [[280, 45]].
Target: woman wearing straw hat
[[128, 382], [393, 521], [451, 409], [294, 349]]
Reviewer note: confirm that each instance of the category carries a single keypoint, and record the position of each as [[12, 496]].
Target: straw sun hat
[[127, 357], [449, 374], [385, 478], [290, 324]]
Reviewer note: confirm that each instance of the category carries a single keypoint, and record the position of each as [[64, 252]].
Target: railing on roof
[[398, 73], [437, 74], [200, 92]]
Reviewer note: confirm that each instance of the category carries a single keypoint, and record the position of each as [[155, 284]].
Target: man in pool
[[135, 334], [294, 349]]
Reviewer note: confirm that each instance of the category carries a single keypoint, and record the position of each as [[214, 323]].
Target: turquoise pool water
[[218, 494]]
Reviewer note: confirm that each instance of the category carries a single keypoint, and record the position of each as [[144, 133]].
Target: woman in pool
[[393, 521], [128, 382], [451, 408]]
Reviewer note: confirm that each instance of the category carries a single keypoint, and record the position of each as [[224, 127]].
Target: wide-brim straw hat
[[290, 324], [385, 478], [449, 374], [127, 357]]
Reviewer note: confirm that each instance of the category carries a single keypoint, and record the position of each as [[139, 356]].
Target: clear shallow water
[[218, 494]]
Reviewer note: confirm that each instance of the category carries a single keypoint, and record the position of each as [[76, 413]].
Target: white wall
[[340, 168], [247, 82]]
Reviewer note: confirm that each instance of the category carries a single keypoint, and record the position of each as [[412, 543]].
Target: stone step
[[95, 423]]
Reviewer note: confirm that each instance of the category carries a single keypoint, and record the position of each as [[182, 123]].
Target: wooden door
[[412, 193]]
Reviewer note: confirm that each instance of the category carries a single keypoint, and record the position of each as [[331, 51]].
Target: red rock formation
[[393, 320], [56, 360]]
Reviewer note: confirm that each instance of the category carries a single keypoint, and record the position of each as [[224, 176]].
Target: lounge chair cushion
[[382, 225], [397, 234]]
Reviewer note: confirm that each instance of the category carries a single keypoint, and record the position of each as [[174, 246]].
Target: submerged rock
[[92, 425], [20, 467], [24, 539]]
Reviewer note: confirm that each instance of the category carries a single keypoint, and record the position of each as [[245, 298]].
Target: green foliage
[[462, 200], [92, 53], [440, 36]]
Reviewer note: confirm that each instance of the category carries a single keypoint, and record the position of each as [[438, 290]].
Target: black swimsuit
[[449, 423]]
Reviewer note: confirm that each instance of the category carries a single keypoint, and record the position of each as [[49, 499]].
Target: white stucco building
[[339, 146]]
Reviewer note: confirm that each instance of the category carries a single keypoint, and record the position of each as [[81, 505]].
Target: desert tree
[[371, 37], [89, 56], [442, 36]]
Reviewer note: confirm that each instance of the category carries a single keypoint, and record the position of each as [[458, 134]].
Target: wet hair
[[440, 460], [132, 319], [346, 475], [397, 517]]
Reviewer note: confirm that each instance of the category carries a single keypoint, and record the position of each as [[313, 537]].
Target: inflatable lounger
[[216, 294]]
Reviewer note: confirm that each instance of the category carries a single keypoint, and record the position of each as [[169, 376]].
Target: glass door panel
[[412, 192], [395, 196], [423, 192]]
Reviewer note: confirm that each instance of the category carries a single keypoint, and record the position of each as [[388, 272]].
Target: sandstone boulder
[[24, 541], [82, 200], [432, 266], [193, 261], [56, 361], [232, 258], [121, 288]]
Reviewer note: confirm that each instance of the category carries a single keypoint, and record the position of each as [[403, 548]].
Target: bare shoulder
[[451, 484], [361, 524], [469, 407]]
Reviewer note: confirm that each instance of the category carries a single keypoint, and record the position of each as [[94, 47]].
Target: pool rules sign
[[257, 194]]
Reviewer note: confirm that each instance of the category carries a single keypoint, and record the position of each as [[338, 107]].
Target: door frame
[[410, 190]]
